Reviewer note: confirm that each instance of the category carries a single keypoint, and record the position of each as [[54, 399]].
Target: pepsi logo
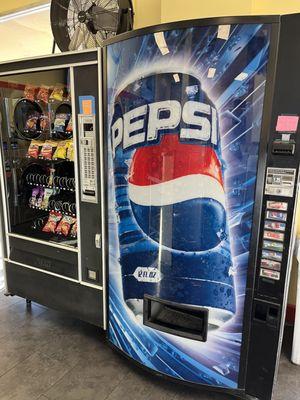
[[177, 196], [194, 120]]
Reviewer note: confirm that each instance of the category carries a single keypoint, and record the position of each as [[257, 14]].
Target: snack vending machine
[[202, 158], [51, 182]]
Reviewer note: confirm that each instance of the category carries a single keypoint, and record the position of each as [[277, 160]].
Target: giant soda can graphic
[[170, 196]]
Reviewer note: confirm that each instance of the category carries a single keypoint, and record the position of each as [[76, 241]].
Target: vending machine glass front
[[38, 156], [183, 136]]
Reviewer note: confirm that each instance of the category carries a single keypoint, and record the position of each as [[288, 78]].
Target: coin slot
[[261, 312], [283, 148], [267, 313]]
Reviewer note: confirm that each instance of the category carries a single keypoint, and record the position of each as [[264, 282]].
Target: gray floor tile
[[46, 355], [91, 379], [138, 385], [288, 383], [16, 316], [73, 348], [31, 378], [6, 301]]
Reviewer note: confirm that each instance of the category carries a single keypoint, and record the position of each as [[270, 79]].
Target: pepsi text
[[144, 124]]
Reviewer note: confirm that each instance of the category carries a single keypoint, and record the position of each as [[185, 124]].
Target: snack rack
[[42, 122]]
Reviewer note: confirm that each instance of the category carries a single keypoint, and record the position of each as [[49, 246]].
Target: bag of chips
[[51, 177], [60, 122], [61, 150], [57, 93], [64, 226], [47, 150], [68, 97], [69, 128], [53, 220], [44, 123], [34, 148], [43, 94], [29, 92], [32, 122], [74, 230], [47, 194], [70, 150], [40, 198], [34, 195]]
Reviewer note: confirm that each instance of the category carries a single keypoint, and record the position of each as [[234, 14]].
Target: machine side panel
[[276, 241]]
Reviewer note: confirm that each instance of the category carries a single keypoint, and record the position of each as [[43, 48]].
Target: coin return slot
[[92, 275], [177, 319], [267, 313]]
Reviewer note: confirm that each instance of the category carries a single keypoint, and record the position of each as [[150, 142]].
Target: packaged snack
[[32, 122], [68, 97], [44, 123], [47, 150], [47, 194], [57, 93], [74, 230], [33, 198], [54, 218], [61, 150], [43, 94], [64, 226], [51, 177], [29, 92], [60, 122], [70, 150], [34, 148], [69, 128], [40, 198]]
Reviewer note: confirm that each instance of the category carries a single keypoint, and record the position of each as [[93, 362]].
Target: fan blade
[[98, 39], [109, 5], [86, 5], [76, 39], [104, 19], [77, 5], [89, 40]]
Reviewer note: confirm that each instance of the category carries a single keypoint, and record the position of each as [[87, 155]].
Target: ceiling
[[26, 36], [13, 5]]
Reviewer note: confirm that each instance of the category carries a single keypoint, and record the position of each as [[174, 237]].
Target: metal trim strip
[[102, 189], [59, 246], [76, 167]]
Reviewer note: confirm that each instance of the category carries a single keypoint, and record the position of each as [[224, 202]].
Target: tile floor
[[46, 355]]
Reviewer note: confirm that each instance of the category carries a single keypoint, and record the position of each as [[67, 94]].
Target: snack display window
[[38, 152]]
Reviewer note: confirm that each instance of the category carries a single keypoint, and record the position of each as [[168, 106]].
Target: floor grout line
[[117, 386], [61, 378], [20, 362]]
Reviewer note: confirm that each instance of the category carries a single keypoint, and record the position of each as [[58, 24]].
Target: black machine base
[[82, 302]]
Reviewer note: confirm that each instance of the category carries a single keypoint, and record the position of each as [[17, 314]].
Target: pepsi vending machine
[[202, 164]]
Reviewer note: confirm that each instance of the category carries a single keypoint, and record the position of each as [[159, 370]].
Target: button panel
[[273, 238], [88, 168]]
